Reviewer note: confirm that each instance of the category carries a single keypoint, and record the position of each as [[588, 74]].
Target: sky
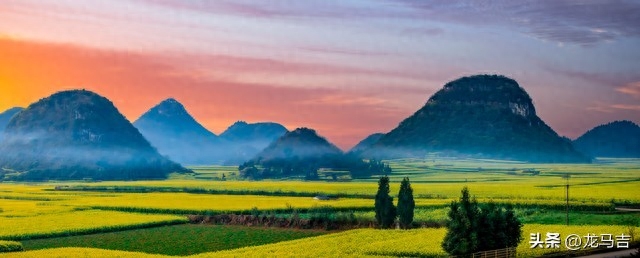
[[347, 68]]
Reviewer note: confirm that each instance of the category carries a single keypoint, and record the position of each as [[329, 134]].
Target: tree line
[[309, 166]]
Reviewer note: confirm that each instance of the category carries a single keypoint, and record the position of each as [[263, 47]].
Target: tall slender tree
[[406, 204], [385, 211]]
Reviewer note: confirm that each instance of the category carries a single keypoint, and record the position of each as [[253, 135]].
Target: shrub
[[10, 246], [473, 228]]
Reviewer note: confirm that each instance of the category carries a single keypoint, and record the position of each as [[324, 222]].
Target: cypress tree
[[385, 211], [406, 204]]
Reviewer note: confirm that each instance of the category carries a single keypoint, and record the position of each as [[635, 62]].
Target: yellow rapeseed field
[[208, 202], [542, 191], [77, 222], [27, 208], [418, 242], [38, 210], [594, 188]]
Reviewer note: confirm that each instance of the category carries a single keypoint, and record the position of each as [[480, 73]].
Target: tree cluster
[[308, 167], [474, 228], [386, 212]]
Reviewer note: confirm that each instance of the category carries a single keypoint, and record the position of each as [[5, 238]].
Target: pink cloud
[[631, 89], [626, 107], [611, 108]]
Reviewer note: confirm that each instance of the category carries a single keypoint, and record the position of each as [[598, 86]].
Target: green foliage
[[10, 246], [95, 230], [406, 204], [473, 228], [385, 210], [549, 216], [513, 227], [492, 228], [461, 238], [308, 167], [331, 218], [365, 169]]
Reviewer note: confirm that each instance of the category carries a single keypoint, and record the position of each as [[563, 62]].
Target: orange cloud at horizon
[[137, 81]]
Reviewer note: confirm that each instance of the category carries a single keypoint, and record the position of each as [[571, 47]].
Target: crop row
[[200, 190], [179, 203], [28, 208]]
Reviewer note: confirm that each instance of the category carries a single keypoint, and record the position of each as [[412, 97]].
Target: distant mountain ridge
[[304, 153], [78, 134], [618, 139], [366, 143], [487, 116], [244, 140], [300, 143], [175, 133], [172, 110], [5, 117], [243, 131]]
